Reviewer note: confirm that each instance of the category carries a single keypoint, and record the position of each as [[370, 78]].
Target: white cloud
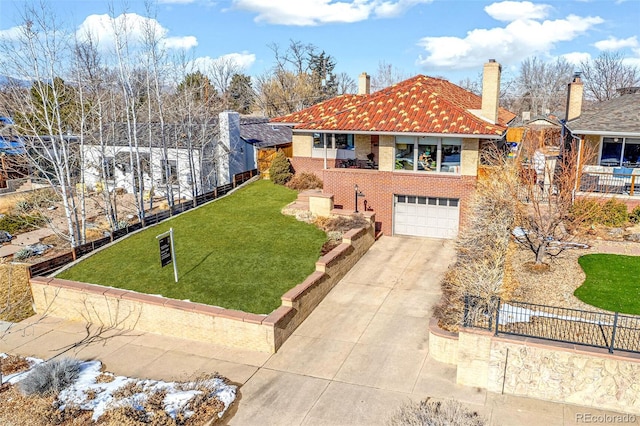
[[176, 1], [576, 58], [520, 38], [104, 28], [318, 12], [11, 34], [509, 11], [390, 9], [613, 43], [186, 42], [242, 60]]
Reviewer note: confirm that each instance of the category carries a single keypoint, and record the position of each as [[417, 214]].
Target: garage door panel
[[426, 216]]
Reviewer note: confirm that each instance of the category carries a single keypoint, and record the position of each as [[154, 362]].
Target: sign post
[[167, 251]]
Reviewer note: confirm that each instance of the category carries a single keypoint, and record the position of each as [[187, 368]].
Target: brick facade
[[379, 188]]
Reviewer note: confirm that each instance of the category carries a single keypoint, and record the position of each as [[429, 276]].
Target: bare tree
[[387, 75], [547, 193], [541, 86], [345, 84], [482, 248], [607, 73], [50, 110]]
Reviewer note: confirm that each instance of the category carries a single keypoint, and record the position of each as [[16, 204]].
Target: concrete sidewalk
[[358, 357]]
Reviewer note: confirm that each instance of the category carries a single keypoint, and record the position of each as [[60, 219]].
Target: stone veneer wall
[[536, 368], [126, 309]]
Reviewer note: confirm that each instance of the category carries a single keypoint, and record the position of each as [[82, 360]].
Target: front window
[[428, 154], [611, 152], [405, 153], [170, 172], [334, 140], [108, 167], [450, 158], [618, 152], [318, 140], [631, 156], [343, 141]]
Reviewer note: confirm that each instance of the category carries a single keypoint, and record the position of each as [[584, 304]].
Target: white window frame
[[623, 141], [331, 151], [439, 142]]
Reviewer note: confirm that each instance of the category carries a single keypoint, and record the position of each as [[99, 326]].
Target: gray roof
[[254, 130], [180, 135], [257, 131], [620, 115]]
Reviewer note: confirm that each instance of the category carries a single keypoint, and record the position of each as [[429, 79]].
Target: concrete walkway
[[358, 357]]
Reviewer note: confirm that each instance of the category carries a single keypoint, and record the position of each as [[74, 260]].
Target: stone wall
[[124, 309], [536, 368]]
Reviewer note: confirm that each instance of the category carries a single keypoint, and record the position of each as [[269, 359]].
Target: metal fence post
[[497, 316], [613, 333], [466, 311]]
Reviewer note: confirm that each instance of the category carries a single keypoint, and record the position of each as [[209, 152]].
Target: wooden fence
[[53, 264]]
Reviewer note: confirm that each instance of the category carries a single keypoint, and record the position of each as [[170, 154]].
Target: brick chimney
[[491, 90], [574, 97], [364, 84]]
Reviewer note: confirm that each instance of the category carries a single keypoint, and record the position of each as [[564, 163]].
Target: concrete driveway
[[364, 350]]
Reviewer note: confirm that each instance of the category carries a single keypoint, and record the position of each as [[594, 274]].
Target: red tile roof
[[418, 105]]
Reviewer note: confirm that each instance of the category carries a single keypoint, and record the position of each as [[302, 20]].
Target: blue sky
[[450, 38]]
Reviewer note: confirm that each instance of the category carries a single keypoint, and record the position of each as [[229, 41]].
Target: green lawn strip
[[612, 283], [238, 252]]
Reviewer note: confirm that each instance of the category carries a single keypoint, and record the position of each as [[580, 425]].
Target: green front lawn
[[238, 252], [612, 283]]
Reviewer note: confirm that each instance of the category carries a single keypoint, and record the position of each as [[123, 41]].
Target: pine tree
[[280, 170]]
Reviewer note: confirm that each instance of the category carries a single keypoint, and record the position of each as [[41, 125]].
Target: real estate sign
[[168, 251], [165, 251]]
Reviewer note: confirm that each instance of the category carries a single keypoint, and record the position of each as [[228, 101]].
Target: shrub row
[[610, 213], [15, 223]]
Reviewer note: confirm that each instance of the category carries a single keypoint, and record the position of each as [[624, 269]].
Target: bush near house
[[280, 170], [634, 216], [610, 213], [303, 181]]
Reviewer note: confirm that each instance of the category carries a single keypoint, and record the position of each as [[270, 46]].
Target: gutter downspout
[[324, 138], [578, 162]]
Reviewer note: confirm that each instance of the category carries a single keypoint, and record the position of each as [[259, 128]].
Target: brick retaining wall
[[126, 309]]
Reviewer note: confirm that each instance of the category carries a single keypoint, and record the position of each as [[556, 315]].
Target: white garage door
[[426, 216]]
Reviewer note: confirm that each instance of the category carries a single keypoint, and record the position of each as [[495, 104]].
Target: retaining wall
[[124, 309], [536, 368]]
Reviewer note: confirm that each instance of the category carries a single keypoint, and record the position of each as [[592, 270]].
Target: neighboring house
[[195, 158], [611, 131], [267, 139], [14, 166], [412, 149]]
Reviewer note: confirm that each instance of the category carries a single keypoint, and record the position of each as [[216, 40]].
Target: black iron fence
[[53, 264], [612, 331]]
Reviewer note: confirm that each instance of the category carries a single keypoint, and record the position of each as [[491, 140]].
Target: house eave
[[605, 133], [437, 135]]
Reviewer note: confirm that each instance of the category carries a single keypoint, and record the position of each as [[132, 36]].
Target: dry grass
[[13, 364], [15, 292], [17, 409], [8, 202]]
